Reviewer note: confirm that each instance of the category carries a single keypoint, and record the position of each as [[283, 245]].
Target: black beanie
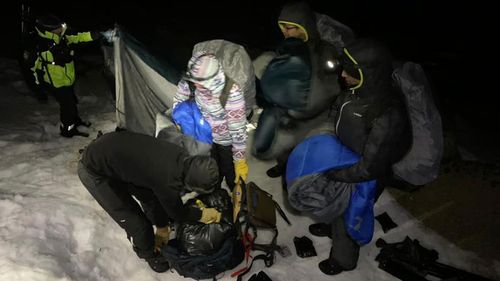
[[48, 22], [201, 174]]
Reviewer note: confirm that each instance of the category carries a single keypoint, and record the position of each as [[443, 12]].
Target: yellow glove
[[241, 170], [162, 236], [209, 215]]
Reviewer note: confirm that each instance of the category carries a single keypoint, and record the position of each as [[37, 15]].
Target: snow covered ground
[[52, 229]]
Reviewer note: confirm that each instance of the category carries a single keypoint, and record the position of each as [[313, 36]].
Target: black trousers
[[344, 251], [68, 111], [116, 198], [223, 155]]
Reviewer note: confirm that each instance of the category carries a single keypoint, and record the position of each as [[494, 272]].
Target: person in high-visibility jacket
[[54, 68]]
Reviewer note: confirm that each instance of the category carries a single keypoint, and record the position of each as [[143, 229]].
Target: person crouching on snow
[[119, 165], [222, 104]]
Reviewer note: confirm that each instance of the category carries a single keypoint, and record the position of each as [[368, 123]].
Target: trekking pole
[[44, 63], [237, 198], [25, 10]]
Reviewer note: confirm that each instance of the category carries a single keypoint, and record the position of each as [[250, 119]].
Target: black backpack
[[199, 267], [421, 163], [204, 251]]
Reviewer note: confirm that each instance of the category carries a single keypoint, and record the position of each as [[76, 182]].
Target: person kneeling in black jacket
[[119, 165]]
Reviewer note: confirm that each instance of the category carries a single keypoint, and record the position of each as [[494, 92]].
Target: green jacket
[[55, 57]]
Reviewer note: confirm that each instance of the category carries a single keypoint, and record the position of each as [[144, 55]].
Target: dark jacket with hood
[[370, 118], [323, 86], [143, 161], [296, 86]]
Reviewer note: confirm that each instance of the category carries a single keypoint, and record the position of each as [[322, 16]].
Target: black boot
[[70, 131], [321, 229], [158, 263], [274, 172], [80, 122], [332, 267]]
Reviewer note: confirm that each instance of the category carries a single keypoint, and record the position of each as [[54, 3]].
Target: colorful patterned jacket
[[226, 117]]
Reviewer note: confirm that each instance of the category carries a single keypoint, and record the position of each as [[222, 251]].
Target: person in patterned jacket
[[222, 104]]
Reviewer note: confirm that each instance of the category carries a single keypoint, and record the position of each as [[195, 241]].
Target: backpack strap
[[225, 91], [46, 69], [268, 248], [249, 241], [264, 257], [267, 257], [280, 211]]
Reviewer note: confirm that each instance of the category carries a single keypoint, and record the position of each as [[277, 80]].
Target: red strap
[[247, 241], [236, 273]]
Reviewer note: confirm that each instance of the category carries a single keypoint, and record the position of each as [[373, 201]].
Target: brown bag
[[260, 206], [259, 211]]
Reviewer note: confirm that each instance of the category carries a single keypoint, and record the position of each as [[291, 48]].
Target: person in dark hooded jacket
[[302, 82], [121, 165], [370, 118]]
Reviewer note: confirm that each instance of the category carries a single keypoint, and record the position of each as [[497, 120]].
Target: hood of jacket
[[50, 36], [370, 62], [301, 15], [206, 70]]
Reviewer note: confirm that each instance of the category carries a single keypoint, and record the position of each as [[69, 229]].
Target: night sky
[[413, 28], [444, 36]]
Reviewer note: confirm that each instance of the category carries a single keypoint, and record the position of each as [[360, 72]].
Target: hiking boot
[[70, 131], [274, 172], [261, 276], [158, 263], [332, 267], [80, 122], [321, 229]]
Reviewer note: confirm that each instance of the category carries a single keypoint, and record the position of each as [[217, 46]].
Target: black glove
[[96, 35], [304, 247]]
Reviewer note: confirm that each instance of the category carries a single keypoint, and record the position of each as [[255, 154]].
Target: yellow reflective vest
[[56, 59]]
